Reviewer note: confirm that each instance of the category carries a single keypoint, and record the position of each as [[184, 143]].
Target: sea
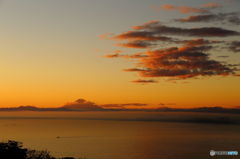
[[123, 135]]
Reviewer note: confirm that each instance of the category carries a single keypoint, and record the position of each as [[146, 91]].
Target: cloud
[[133, 56], [232, 18], [177, 53], [124, 105], [144, 81], [142, 35], [105, 36], [183, 9], [137, 44], [156, 31], [149, 23], [82, 104], [187, 61], [223, 56], [117, 53], [199, 18], [199, 42], [133, 70], [234, 46], [113, 55], [165, 104], [211, 5], [188, 9]]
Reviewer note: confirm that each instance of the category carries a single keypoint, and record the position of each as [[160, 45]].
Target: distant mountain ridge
[[161, 109]]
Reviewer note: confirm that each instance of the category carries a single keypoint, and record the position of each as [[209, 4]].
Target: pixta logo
[[227, 153]]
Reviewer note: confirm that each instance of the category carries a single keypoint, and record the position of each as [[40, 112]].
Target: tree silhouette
[[15, 150], [12, 150], [35, 154]]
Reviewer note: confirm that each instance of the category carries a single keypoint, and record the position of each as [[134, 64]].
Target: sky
[[55, 52]]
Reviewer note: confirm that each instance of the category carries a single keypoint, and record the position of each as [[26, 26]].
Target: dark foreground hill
[[15, 150]]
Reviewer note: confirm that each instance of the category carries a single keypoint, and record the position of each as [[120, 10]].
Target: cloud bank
[[176, 52]]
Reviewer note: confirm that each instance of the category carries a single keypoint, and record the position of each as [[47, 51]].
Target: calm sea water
[[63, 135]]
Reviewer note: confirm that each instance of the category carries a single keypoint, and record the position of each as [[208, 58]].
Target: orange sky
[[52, 54]]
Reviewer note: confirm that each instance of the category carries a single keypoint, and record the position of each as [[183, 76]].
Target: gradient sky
[[51, 54]]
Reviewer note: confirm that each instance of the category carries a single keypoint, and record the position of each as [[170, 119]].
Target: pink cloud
[[183, 9]]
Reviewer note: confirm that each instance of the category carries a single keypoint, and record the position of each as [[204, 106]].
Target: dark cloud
[[147, 24], [165, 104], [133, 70], [232, 18], [189, 58], [187, 61], [142, 35], [200, 42], [113, 55], [117, 53], [234, 46], [137, 44], [123, 105], [154, 30], [161, 104], [84, 105], [133, 56], [144, 81], [199, 18], [160, 29], [223, 56]]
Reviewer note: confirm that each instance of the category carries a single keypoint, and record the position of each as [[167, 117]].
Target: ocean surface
[[121, 135]]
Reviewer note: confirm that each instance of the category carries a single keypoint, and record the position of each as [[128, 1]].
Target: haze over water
[[71, 134]]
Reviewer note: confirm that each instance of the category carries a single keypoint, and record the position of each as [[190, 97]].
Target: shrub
[[12, 150], [15, 150]]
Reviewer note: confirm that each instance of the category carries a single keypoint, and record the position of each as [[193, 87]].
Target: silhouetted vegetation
[[15, 150]]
